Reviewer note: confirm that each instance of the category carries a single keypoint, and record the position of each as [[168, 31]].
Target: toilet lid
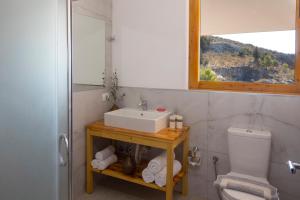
[[240, 195]]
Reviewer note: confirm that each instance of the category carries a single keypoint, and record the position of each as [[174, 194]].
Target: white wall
[[151, 47]]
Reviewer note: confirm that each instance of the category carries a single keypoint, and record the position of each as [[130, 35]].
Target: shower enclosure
[[35, 100]]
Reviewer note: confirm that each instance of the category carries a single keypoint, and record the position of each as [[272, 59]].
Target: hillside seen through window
[[263, 57]]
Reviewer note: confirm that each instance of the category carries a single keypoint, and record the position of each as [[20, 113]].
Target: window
[[245, 45]]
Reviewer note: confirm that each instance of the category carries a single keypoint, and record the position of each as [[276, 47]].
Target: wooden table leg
[[170, 163], [89, 158], [185, 164]]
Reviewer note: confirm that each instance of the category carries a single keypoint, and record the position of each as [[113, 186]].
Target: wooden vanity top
[[165, 134]]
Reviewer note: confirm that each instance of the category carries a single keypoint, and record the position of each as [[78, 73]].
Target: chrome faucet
[[293, 166], [143, 104]]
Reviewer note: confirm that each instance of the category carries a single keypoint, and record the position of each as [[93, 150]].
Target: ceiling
[[244, 16]]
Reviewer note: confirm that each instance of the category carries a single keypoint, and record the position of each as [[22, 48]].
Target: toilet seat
[[238, 195], [228, 194]]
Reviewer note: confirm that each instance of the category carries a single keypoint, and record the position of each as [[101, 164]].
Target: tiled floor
[[113, 189]]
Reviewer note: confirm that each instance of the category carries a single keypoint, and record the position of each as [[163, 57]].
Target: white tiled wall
[[87, 108], [210, 114]]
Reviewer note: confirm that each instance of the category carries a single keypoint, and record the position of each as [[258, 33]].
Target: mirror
[[88, 55]]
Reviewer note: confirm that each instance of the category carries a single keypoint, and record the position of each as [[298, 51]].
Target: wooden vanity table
[[166, 139]]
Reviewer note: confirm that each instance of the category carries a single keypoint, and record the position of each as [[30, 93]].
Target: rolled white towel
[[103, 164], [105, 153], [158, 163], [148, 176], [161, 177], [95, 163]]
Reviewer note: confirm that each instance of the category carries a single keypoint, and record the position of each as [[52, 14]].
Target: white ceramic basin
[[133, 119]]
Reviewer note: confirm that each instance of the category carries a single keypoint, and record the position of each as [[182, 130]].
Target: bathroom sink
[[138, 120]]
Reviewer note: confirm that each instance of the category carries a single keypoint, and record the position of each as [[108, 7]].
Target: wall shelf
[[115, 171]]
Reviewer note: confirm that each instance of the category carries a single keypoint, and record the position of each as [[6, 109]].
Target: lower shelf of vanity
[[115, 170]]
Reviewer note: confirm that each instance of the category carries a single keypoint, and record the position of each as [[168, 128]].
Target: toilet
[[249, 153]]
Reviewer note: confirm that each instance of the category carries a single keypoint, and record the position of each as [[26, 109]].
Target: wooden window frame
[[194, 67]]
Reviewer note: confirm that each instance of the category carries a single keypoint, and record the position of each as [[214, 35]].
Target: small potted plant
[[114, 95]]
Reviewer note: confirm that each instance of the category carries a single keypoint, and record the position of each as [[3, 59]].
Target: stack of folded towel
[[157, 170], [104, 158]]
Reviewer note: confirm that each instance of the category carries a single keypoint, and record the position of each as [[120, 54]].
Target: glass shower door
[[34, 100]]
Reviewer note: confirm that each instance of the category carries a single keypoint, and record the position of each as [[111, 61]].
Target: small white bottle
[[179, 122], [172, 122]]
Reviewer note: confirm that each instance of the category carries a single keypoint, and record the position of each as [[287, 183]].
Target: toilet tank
[[249, 151]]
